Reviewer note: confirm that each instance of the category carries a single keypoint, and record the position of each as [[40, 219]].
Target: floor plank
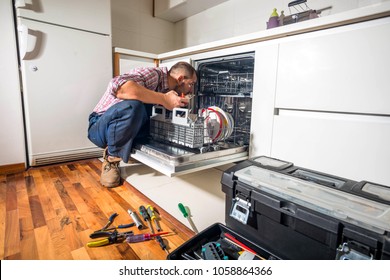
[[49, 213]]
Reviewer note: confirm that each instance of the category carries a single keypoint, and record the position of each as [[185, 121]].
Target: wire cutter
[[110, 221], [110, 237]]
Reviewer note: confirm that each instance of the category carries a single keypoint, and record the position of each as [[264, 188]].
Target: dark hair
[[183, 66]]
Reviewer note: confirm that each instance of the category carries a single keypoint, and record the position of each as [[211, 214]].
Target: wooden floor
[[49, 212]]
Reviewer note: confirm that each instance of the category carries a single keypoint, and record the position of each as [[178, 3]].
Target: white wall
[[135, 28], [239, 17], [12, 149]]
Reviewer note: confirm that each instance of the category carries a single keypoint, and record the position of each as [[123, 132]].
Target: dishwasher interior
[[214, 129], [227, 84]]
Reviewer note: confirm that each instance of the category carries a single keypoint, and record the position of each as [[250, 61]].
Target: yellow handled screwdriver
[[145, 216], [153, 217]]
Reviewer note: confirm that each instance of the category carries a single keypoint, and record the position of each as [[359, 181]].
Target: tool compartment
[[283, 211], [215, 234]]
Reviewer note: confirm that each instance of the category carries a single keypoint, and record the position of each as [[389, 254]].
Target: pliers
[[110, 238], [111, 234], [110, 221]]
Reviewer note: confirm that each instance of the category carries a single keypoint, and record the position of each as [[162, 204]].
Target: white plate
[[213, 123], [228, 122]]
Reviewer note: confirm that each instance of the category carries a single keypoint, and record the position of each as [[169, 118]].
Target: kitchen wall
[[239, 17], [135, 28], [12, 149]]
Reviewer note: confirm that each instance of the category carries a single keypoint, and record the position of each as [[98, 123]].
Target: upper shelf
[[176, 10]]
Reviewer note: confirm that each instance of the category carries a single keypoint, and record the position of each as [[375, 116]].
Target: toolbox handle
[[288, 206]]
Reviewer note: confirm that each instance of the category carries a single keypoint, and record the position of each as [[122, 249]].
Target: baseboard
[[65, 156], [12, 168]]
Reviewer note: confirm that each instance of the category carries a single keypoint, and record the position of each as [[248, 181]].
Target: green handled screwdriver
[[185, 214]]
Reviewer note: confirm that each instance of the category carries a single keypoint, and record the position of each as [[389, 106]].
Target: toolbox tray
[[213, 234]]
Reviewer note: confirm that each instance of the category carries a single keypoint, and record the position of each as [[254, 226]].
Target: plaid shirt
[[152, 78]]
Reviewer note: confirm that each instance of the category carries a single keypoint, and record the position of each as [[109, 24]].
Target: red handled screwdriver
[[143, 237]]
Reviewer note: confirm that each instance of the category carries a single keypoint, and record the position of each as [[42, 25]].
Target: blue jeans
[[119, 126]]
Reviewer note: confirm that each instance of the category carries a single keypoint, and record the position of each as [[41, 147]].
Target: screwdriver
[[152, 216], [145, 215], [143, 237], [185, 214], [162, 244]]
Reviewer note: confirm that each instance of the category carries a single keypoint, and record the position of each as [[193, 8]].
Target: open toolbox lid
[[351, 208]]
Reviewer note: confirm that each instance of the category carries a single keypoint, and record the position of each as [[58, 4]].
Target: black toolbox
[[278, 210]]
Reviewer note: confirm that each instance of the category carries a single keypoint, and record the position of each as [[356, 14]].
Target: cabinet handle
[[23, 36], [20, 4]]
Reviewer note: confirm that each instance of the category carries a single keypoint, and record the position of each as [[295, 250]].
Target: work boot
[[111, 175]]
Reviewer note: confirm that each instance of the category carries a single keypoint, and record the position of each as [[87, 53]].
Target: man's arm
[[132, 90]]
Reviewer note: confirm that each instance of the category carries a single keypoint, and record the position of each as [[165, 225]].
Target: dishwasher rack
[[182, 128], [198, 131]]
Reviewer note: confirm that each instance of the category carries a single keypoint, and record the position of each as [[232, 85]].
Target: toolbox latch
[[345, 252], [240, 210]]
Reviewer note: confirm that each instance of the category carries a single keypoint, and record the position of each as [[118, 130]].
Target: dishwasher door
[[223, 102], [173, 160]]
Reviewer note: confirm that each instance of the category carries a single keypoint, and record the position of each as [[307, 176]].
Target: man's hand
[[170, 100], [173, 100]]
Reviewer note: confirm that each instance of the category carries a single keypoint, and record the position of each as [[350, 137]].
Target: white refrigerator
[[66, 63]]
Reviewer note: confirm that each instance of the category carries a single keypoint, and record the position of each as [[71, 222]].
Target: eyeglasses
[[189, 96], [192, 83]]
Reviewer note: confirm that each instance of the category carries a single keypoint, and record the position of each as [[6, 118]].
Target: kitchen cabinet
[[125, 60], [348, 145], [263, 103], [65, 64], [12, 154], [177, 10], [331, 101], [343, 69]]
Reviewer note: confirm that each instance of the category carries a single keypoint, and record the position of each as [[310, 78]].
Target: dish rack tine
[[298, 3]]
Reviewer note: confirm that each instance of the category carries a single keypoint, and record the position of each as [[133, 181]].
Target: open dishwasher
[[215, 128]]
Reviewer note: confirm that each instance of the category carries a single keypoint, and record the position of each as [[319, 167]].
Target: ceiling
[[176, 10]]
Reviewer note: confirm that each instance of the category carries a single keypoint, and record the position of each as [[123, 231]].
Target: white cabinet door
[[65, 73], [347, 145], [344, 70], [11, 114], [263, 100], [92, 15]]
